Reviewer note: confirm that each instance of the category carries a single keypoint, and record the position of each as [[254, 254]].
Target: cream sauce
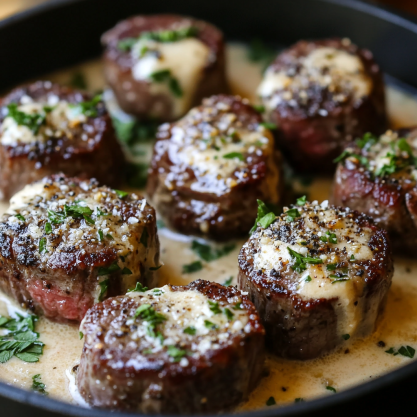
[[355, 363]]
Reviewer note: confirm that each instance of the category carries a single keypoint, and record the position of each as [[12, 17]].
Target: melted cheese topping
[[188, 309], [185, 59], [214, 144], [36, 202], [351, 244], [58, 121], [340, 72]]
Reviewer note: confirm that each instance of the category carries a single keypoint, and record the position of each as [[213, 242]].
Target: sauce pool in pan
[[286, 381]]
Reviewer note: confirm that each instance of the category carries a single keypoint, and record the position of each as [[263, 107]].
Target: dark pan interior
[[65, 32]]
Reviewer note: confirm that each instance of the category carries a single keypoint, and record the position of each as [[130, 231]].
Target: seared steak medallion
[[322, 94], [209, 168], [46, 128], [192, 349], [318, 275], [66, 244], [377, 176], [160, 66]]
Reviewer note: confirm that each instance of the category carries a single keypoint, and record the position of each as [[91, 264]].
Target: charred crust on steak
[[130, 360], [377, 175], [65, 131], [128, 69], [67, 236], [209, 168], [323, 94], [316, 276]]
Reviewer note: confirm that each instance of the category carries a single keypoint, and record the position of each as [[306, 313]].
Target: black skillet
[[64, 32]]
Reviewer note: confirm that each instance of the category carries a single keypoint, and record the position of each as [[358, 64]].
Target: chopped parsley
[[329, 238], [329, 388], [78, 81], [270, 401], [302, 200], [347, 154], [75, 211], [299, 400], [139, 288], [209, 254], [121, 194], [264, 218], [100, 236], [308, 279], [228, 314], [155, 268], [42, 245], [406, 351], [233, 155], [20, 217], [331, 267], [300, 264], [107, 270], [48, 228], [346, 336], [126, 271], [104, 286], [81, 334], [292, 214], [152, 318], [228, 282], [21, 340], [352, 258], [137, 174], [165, 76], [37, 385], [175, 353], [261, 53], [159, 36], [192, 267], [190, 330], [144, 237], [238, 306], [88, 108], [270, 126], [339, 278], [259, 108], [214, 307], [32, 121], [210, 325]]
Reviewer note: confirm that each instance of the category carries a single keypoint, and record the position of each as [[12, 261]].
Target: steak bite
[[318, 275], [46, 128], [177, 350], [66, 244], [209, 168], [322, 94], [160, 66], [377, 176]]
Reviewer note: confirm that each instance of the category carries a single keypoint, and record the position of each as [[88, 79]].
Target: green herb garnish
[[329, 388], [42, 245], [292, 214], [270, 126], [300, 264], [302, 200], [78, 81], [37, 385], [270, 401], [144, 237], [233, 155], [346, 336], [264, 218], [152, 318], [190, 330], [308, 279], [192, 267], [214, 307], [175, 353], [228, 314], [210, 325], [81, 334], [165, 76], [121, 194], [139, 288], [21, 340], [20, 217], [228, 282], [31, 121], [209, 254], [104, 285], [103, 270]]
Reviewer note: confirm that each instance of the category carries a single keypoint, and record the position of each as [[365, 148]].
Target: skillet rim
[[32, 398]]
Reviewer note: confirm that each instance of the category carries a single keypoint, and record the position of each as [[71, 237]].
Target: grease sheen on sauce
[[354, 363]]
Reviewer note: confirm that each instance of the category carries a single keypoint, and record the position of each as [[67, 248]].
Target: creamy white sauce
[[185, 59], [307, 379]]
